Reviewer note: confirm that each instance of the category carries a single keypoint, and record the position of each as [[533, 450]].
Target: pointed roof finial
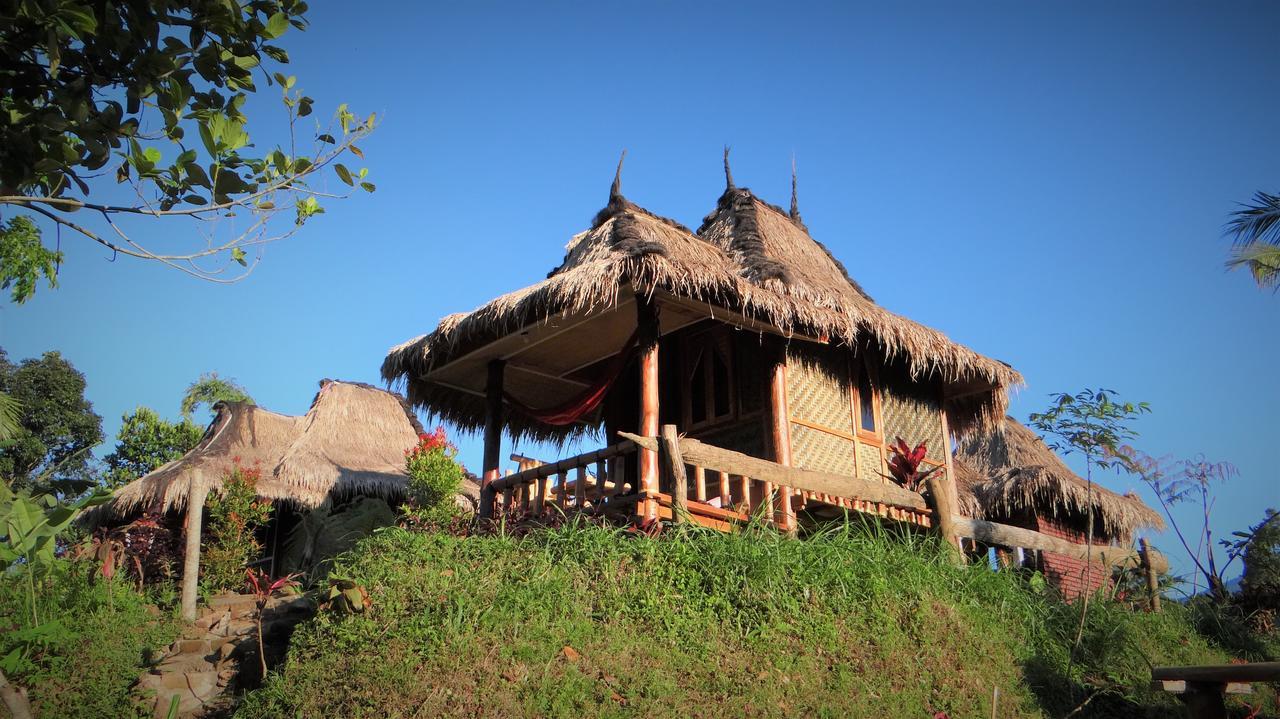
[[795, 206], [616, 189], [728, 176]]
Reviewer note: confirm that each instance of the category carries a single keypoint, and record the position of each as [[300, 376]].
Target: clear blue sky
[[1047, 184]]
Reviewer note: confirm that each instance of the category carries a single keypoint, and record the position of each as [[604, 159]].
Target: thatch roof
[[967, 480], [351, 441], [749, 257], [1021, 474]]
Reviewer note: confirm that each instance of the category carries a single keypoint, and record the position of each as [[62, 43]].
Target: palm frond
[[10, 409], [1257, 222], [1262, 261]]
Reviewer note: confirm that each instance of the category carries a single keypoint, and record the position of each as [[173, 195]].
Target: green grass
[[89, 660], [851, 623]]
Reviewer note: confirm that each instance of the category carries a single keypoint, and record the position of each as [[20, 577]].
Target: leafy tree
[[56, 426], [152, 94], [145, 442], [1094, 424], [209, 390], [1256, 229], [9, 409], [23, 259], [1260, 586]]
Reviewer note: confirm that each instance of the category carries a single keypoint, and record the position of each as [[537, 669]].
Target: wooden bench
[[1204, 688]]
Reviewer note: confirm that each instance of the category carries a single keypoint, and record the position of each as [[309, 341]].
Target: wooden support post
[[580, 489], [940, 503], [562, 486], [744, 491], [602, 480], [540, 496], [700, 484], [1153, 581], [673, 466], [191, 561], [647, 319], [492, 435], [780, 424], [726, 501]]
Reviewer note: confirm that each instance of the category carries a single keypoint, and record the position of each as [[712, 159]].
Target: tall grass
[[582, 620]]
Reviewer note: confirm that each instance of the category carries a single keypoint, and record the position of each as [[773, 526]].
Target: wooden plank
[[602, 480], [1007, 536], [725, 499], [1221, 673], [727, 460], [649, 328], [673, 467], [705, 510], [1179, 686]]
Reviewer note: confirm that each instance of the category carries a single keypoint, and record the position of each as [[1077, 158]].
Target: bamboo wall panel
[[821, 451], [870, 464], [914, 418]]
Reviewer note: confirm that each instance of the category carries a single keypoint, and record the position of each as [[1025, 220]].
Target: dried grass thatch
[[966, 482], [1021, 475], [351, 441], [749, 257]]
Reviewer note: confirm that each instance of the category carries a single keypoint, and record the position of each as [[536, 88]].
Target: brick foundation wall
[[1068, 573]]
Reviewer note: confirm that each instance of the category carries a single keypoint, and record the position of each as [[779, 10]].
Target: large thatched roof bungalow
[[747, 334], [1022, 482], [350, 441]]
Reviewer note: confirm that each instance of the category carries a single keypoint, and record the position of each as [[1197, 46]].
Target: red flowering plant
[[235, 516], [435, 477], [263, 588], [904, 465]]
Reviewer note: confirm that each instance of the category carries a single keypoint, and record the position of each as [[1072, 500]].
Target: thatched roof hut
[[1022, 476], [351, 441], [749, 258]]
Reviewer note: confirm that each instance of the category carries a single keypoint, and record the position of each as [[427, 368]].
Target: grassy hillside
[[588, 621]]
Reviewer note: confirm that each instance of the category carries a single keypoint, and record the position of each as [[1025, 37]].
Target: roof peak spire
[[795, 203], [728, 176], [616, 189]]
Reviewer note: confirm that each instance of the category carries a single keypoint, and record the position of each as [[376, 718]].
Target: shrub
[[235, 515], [91, 648], [434, 479]]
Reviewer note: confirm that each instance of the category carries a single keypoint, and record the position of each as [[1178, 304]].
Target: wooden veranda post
[[780, 425], [191, 560], [647, 320], [940, 504], [673, 467], [1148, 568], [492, 435]]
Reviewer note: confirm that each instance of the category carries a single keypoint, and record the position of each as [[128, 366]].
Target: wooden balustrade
[[576, 486]]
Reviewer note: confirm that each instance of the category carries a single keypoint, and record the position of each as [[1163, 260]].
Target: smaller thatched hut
[[1021, 481], [350, 442]]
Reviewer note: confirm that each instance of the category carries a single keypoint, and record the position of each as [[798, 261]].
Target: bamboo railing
[[592, 480]]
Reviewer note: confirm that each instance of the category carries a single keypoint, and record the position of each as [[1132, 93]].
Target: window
[[865, 399], [708, 375]]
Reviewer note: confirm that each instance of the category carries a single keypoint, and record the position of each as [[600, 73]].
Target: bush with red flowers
[[434, 478]]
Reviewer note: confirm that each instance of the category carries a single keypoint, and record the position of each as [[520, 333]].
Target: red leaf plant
[[904, 464], [263, 589]]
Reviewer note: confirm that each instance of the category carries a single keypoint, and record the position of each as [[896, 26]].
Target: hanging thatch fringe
[[1021, 474]]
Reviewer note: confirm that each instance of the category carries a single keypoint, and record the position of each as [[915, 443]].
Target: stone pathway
[[217, 656]]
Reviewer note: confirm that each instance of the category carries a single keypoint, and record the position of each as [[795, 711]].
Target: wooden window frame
[[708, 341], [860, 364]]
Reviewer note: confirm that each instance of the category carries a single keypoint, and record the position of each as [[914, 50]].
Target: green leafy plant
[[1255, 228], [209, 390], [345, 596], [1092, 423], [434, 479], [235, 514], [154, 95], [24, 258]]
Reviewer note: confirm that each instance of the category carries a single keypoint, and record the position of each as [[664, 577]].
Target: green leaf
[[343, 173], [276, 26], [237, 254], [152, 154], [326, 137], [368, 186]]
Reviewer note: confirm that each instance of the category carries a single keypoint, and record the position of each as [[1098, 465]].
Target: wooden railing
[[728, 487], [587, 481]]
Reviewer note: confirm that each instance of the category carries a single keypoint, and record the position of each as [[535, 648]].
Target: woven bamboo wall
[[820, 407], [911, 414]]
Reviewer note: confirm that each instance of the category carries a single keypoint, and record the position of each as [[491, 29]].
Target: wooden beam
[[537, 372], [1221, 673], [649, 328], [191, 560], [492, 436], [1153, 580], [727, 460], [1007, 536], [673, 467], [551, 468], [941, 503], [780, 425]]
